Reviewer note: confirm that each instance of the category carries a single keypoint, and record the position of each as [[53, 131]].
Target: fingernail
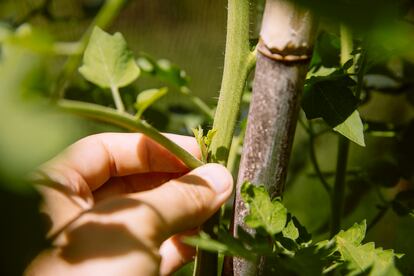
[[218, 176]]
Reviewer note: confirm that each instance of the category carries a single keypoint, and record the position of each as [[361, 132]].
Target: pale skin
[[119, 204]]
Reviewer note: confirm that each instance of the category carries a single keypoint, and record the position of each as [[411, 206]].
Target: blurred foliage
[[37, 36]]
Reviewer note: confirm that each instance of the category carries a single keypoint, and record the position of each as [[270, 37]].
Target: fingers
[[94, 159], [137, 224], [183, 203], [132, 184], [175, 253]]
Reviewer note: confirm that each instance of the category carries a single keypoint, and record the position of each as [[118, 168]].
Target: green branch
[[314, 160], [128, 122], [238, 62], [338, 196]]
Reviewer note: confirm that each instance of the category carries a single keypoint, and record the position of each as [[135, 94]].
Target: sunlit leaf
[[148, 97], [364, 258], [204, 141], [355, 234], [290, 231], [263, 212], [107, 61], [352, 128], [199, 135]]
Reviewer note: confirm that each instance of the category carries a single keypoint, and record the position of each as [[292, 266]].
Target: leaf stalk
[[117, 99], [128, 122], [338, 195]]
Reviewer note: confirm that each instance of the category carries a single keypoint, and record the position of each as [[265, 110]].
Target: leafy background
[[191, 34]]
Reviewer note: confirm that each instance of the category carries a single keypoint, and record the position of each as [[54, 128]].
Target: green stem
[[314, 159], [346, 45], [106, 15], [238, 62], [117, 99], [361, 72], [234, 152], [338, 196], [129, 122]]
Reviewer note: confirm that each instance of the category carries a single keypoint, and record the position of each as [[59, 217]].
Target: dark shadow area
[[111, 206], [97, 240], [221, 154], [22, 232]]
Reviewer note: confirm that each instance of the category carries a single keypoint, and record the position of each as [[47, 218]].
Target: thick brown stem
[[284, 52], [270, 130]]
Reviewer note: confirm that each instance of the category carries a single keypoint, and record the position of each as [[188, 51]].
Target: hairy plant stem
[[238, 62], [117, 99], [128, 122], [105, 16], [338, 196], [234, 151]]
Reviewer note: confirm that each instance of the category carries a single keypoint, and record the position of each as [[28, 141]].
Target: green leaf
[[329, 97], [204, 241], [146, 98], [355, 234], [107, 61], [263, 212], [227, 245], [290, 231], [352, 128], [209, 137], [204, 141], [364, 258], [199, 135]]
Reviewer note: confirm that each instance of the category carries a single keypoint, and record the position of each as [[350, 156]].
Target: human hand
[[119, 203]]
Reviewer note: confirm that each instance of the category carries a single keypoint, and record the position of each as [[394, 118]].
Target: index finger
[[93, 160]]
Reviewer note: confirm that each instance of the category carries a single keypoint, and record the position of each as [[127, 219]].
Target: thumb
[[184, 203]]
